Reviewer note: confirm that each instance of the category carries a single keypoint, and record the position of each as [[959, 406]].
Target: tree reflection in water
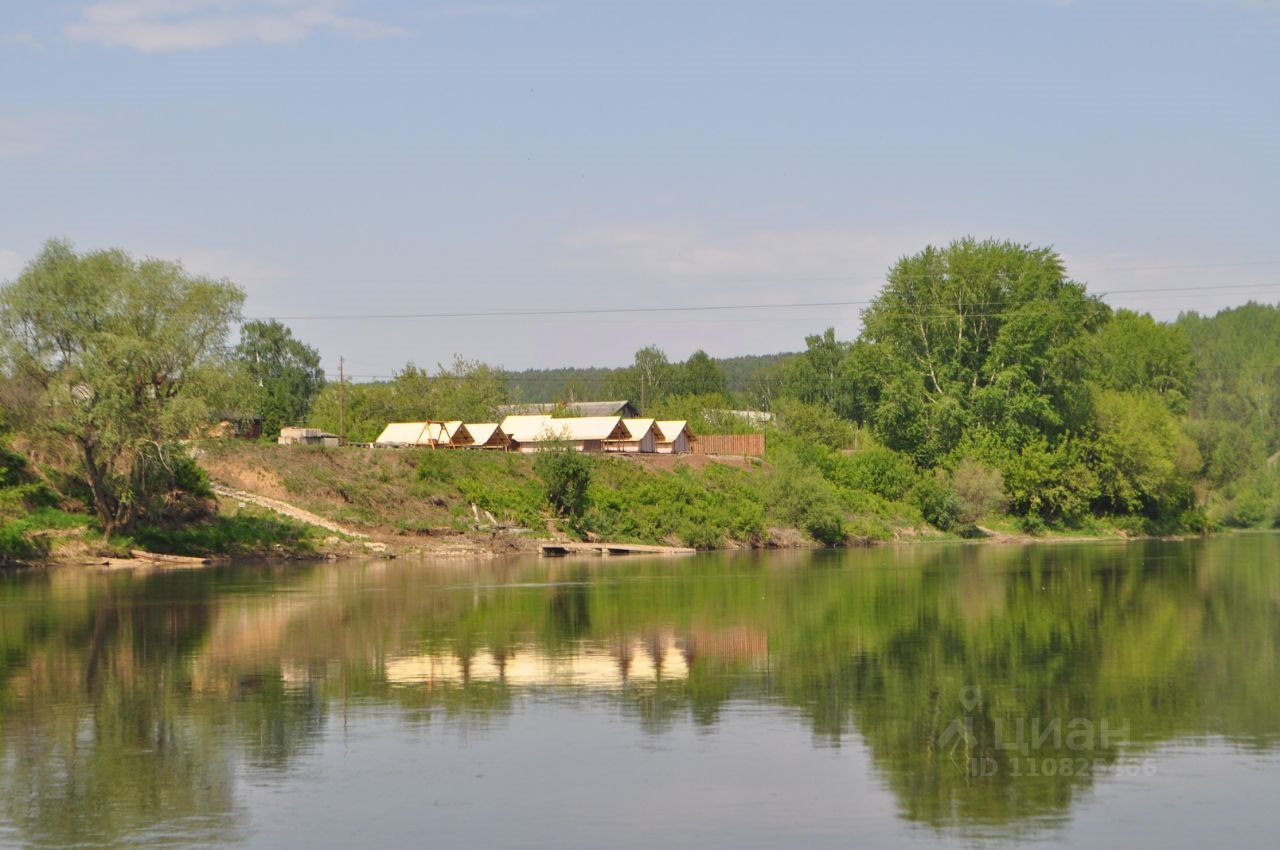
[[129, 703]]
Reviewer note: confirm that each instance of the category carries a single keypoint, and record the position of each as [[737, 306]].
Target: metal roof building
[[621, 408]]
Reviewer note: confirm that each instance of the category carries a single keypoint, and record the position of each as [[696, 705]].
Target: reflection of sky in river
[[557, 774]]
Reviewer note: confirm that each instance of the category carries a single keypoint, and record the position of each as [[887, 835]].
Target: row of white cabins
[[531, 433]]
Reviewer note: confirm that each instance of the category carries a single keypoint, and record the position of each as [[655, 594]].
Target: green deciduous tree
[[801, 497], [121, 354], [285, 372], [466, 390], [650, 378], [1142, 458], [566, 475], [700, 375], [988, 335], [816, 375], [1139, 354]]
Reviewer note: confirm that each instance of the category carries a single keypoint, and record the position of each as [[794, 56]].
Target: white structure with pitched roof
[[586, 433], [674, 437], [487, 435], [643, 436], [404, 434]]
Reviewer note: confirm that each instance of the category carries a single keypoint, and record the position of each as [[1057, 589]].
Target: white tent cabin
[[524, 428], [487, 435], [674, 437], [457, 435], [410, 434], [643, 437], [586, 433]]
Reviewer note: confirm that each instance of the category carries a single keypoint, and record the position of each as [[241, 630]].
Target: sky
[[403, 159]]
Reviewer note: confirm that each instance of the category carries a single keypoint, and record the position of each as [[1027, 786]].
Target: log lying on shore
[[172, 560], [139, 558]]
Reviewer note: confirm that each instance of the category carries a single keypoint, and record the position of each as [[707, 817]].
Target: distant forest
[[596, 383]]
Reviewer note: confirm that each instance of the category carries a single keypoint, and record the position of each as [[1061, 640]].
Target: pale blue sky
[[410, 157]]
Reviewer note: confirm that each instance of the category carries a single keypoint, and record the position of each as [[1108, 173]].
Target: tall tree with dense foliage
[[700, 375], [650, 378], [284, 370], [122, 355], [1139, 354], [467, 390], [975, 336], [816, 375]]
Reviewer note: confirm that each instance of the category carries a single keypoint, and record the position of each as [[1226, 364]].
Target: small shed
[[642, 437], [295, 436], [488, 435], [674, 437]]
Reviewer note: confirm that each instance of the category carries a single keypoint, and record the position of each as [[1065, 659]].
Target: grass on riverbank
[[691, 501], [44, 533], [242, 534]]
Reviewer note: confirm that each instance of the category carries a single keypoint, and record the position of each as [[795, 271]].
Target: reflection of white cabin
[[405, 434], [588, 666], [674, 437], [586, 433], [643, 436]]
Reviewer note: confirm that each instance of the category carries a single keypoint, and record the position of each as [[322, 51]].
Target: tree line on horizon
[[983, 380]]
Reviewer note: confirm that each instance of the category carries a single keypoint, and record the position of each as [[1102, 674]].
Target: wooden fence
[[729, 444]]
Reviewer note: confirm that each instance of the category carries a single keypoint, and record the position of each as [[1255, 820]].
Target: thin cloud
[[845, 259], [159, 26], [485, 10]]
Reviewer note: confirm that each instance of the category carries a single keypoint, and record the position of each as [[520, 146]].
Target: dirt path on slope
[[286, 509]]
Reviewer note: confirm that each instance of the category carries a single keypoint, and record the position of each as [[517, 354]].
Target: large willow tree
[[121, 356], [988, 336]]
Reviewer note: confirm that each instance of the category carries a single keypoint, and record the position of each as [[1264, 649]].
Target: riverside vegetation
[[986, 390]]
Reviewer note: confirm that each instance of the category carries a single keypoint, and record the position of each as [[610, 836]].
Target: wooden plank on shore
[[559, 549]]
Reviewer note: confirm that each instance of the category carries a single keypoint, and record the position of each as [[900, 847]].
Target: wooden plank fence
[[729, 444]]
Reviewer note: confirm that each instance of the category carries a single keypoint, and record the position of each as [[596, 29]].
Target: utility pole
[[342, 401]]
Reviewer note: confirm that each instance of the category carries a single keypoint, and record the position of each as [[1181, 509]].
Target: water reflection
[[135, 708]]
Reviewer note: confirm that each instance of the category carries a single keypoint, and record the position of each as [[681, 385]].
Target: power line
[[686, 308]]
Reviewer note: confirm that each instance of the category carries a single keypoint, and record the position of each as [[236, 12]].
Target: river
[[1071, 695]]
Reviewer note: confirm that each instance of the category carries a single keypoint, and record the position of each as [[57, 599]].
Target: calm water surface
[[1082, 695]]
